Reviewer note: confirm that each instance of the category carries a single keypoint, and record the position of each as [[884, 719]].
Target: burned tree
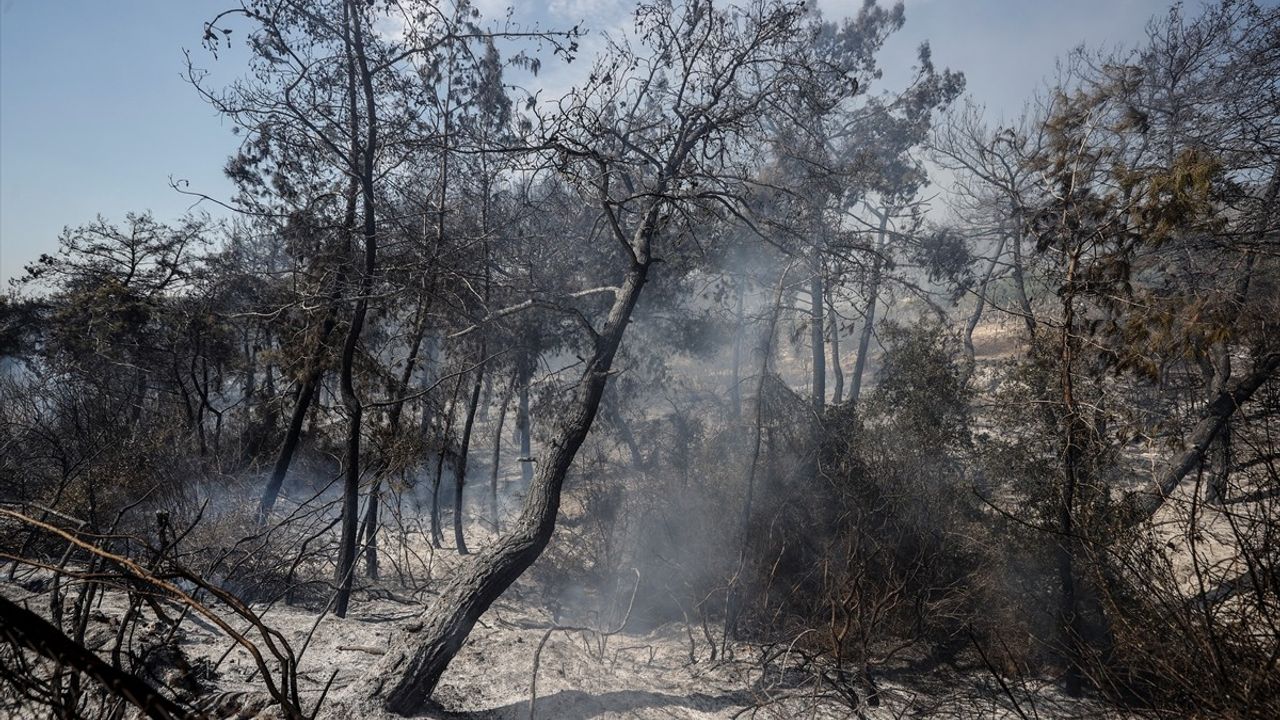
[[647, 150]]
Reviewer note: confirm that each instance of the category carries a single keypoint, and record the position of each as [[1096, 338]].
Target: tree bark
[[409, 672]]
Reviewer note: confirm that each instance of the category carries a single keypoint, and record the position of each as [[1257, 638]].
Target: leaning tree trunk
[[313, 370], [1216, 493], [1215, 418], [306, 396], [407, 675], [1213, 432]]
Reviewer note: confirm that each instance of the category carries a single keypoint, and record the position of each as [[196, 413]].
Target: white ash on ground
[[582, 673]]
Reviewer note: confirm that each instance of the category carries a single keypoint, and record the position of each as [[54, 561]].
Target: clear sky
[[95, 116]]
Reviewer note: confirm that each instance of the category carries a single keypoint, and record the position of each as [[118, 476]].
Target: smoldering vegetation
[[736, 382]]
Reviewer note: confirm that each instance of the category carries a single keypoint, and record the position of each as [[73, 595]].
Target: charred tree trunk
[[351, 487], [313, 368], [1216, 372], [1216, 492], [437, 534], [1019, 280], [869, 318], [523, 421], [26, 630], [249, 343], [1213, 432], [497, 455], [367, 537], [394, 415], [344, 574], [817, 335], [409, 672], [1216, 416], [460, 474], [314, 413]]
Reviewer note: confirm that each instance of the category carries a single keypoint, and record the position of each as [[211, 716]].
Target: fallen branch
[[1215, 417], [27, 630]]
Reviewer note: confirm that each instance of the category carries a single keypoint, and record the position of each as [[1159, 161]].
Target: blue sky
[[96, 118]]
